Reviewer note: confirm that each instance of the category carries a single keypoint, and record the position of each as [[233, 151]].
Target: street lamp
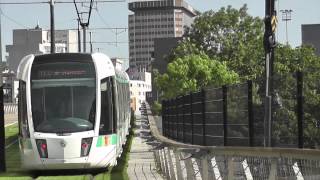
[[286, 16]]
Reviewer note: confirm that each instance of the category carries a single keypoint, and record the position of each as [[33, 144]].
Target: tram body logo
[[63, 143]]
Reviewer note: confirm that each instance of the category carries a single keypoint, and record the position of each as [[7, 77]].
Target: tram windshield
[[63, 97]]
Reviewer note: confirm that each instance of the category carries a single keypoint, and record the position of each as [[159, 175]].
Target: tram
[[73, 111]]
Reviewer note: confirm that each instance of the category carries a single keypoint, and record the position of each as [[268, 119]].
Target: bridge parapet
[[177, 161]]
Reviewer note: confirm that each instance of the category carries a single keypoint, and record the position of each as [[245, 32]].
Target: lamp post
[[286, 16]]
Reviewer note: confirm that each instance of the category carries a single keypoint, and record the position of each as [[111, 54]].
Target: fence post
[[250, 114], [183, 117], [163, 114], [2, 133], [171, 119], [225, 115], [203, 93], [176, 121], [300, 107], [191, 114]]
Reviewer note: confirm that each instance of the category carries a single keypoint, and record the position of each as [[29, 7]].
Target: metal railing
[[177, 161], [10, 108]]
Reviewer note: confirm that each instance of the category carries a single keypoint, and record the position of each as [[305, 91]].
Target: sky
[[115, 14]]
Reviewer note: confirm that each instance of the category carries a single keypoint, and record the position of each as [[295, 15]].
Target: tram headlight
[[85, 146], [42, 148]]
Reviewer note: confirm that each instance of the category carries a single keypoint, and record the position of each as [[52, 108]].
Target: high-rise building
[[310, 36], [154, 19], [37, 41]]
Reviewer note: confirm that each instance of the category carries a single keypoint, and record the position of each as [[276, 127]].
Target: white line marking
[[9, 145], [11, 124]]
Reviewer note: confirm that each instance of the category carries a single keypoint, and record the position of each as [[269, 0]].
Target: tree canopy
[[227, 46], [190, 73], [229, 35]]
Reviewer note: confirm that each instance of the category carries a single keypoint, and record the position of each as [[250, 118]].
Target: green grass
[[11, 133], [16, 178], [13, 165]]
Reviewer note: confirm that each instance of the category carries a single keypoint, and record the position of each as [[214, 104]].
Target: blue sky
[[116, 15]]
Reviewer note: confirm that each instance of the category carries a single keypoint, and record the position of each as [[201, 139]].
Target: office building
[[311, 36], [37, 41], [151, 20]]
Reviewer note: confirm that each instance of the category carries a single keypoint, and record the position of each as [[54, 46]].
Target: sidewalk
[[141, 162]]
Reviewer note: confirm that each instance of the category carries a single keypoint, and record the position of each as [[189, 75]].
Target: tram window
[[22, 110], [106, 119]]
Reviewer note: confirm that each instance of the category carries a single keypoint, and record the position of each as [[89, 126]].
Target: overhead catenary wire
[[12, 20], [56, 2]]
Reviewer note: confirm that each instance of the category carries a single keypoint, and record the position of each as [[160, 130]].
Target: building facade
[[310, 36], [139, 88], [37, 41], [151, 20]]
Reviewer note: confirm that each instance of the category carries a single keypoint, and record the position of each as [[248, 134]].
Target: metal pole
[[90, 42], [300, 108], [250, 114], [287, 31], [225, 114], [269, 43], [84, 38], [203, 99], [53, 48], [79, 36]]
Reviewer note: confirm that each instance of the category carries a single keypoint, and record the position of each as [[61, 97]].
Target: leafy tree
[[190, 73], [287, 62], [230, 36]]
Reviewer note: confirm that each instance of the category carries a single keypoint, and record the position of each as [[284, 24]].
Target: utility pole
[[53, 46], [84, 33], [269, 45], [79, 36], [286, 16], [90, 33], [83, 24]]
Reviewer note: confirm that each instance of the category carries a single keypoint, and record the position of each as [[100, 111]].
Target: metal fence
[[179, 161], [211, 117], [234, 115]]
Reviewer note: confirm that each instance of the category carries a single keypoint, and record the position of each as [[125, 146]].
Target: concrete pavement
[[141, 161]]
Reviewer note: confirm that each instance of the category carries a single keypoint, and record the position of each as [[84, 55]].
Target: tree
[[229, 35], [287, 61], [192, 72]]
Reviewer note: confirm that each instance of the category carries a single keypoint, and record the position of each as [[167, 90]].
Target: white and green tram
[[74, 111]]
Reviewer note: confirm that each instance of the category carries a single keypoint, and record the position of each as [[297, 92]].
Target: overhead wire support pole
[[84, 25], [52, 30], [269, 45], [79, 36]]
